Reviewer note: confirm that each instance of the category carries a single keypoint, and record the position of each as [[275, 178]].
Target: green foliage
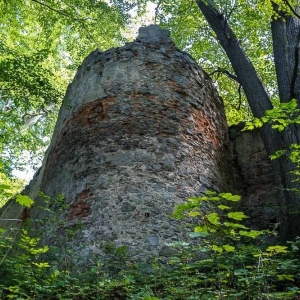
[[22, 267], [41, 46], [24, 200], [43, 43], [280, 117], [237, 260], [227, 260], [8, 188]]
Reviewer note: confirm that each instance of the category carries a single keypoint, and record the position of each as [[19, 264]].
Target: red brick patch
[[80, 208]]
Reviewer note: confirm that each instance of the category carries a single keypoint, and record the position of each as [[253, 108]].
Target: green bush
[[227, 260]]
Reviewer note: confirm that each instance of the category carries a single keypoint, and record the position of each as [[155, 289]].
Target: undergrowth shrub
[[227, 260]]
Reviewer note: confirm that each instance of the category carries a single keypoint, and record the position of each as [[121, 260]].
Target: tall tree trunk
[[259, 102], [285, 36]]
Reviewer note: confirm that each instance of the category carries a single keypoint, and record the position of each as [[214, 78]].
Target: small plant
[[238, 263], [227, 260]]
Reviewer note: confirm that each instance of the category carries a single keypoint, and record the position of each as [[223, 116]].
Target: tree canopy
[[41, 44]]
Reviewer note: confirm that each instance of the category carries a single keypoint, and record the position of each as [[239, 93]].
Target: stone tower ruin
[[141, 129]]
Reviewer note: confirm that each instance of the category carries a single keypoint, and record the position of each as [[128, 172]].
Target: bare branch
[[227, 73], [232, 77]]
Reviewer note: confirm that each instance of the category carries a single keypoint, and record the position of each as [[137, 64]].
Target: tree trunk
[[259, 102], [285, 35]]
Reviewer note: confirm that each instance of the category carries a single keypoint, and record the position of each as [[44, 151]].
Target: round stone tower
[[141, 129]]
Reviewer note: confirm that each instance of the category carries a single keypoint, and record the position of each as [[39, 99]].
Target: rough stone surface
[[254, 178], [141, 129]]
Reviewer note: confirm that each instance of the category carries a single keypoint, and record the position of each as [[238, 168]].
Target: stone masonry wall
[[254, 178], [141, 129]]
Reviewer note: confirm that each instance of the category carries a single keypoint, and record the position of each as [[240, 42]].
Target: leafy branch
[[292, 9], [51, 8], [81, 21]]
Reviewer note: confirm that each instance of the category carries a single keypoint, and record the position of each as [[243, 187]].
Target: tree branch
[[157, 11], [240, 97], [292, 9], [51, 8], [234, 78], [254, 90], [257, 96], [68, 16], [227, 73]]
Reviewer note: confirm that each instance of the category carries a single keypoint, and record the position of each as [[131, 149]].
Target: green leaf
[[217, 248], [24, 200], [237, 215], [195, 200], [278, 127], [252, 233], [240, 272], [234, 225], [194, 213], [201, 229], [277, 249], [223, 207], [38, 250], [210, 193], [248, 126], [292, 105], [42, 264], [4, 187], [229, 248], [282, 277], [230, 197], [257, 123], [213, 218], [277, 154]]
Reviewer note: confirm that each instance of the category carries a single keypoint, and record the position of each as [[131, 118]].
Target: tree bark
[[285, 36], [281, 59], [259, 102]]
